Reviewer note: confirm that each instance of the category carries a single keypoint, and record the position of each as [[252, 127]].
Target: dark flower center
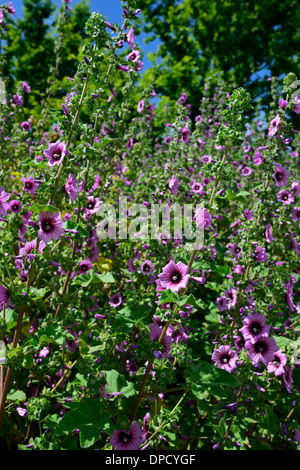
[[285, 197], [176, 277], [260, 347], [196, 187], [225, 359], [57, 155], [47, 226], [276, 362], [15, 207], [255, 328], [90, 205], [237, 250], [28, 185], [146, 268], [84, 267], [241, 343], [279, 176], [124, 437]]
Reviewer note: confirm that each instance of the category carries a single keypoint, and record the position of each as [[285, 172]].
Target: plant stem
[[171, 413]]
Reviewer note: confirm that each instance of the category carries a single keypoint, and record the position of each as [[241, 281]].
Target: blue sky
[[112, 9]]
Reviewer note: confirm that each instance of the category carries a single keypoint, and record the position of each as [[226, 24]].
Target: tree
[[41, 43], [239, 41]]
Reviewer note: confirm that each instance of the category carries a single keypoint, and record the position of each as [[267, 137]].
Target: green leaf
[[90, 417], [206, 377], [37, 208], [93, 278], [71, 225], [16, 395], [117, 383], [190, 300], [107, 278], [168, 296]]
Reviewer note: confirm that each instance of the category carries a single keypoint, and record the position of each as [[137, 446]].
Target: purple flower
[[268, 234], [231, 297], [197, 188], [258, 159], [285, 196], [248, 214], [127, 440], [236, 250], [254, 327], [274, 126], [115, 300], [147, 267], [185, 134], [15, 206], [4, 205], [261, 350], [297, 435], [133, 56], [22, 411], [130, 38], [225, 358], [202, 218], [51, 226], [239, 343], [110, 26], [71, 187], [281, 175], [92, 207], [206, 159], [56, 153], [287, 378], [155, 333], [173, 185], [222, 303], [17, 100], [4, 295], [30, 246], [141, 105], [26, 87], [30, 184], [26, 126], [246, 171], [296, 214], [11, 8], [260, 254], [296, 108], [278, 363], [174, 276], [283, 103], [65, 110], [85, 266]]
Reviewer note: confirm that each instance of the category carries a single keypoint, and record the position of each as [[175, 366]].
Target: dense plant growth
[[119, 332]]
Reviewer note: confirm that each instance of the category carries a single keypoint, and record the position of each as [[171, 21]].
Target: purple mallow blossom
[[225, 358], [281, 175], [127, 439], [56, 153], [254, 326], [174, 276], [51, 226], [261, 349]]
